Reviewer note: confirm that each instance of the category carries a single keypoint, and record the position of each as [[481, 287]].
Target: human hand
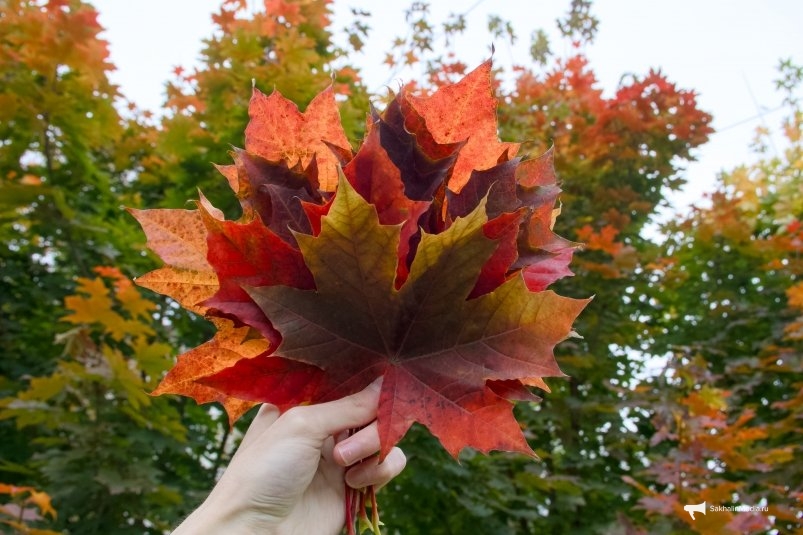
[[288, 475]]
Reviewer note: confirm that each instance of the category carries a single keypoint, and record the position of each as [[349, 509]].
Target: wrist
[[221, 514]]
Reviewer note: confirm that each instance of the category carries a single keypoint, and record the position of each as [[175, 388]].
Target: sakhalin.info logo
[[701, 508]]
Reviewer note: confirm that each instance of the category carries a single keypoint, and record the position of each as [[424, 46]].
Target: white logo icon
[[699, 508]]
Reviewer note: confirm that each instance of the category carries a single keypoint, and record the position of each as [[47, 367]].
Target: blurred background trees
[[685, 387]]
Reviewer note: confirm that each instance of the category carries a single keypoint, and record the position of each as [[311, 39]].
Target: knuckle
[[297, 419], [358, 403]]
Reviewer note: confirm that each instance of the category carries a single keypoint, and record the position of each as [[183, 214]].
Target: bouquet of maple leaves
[[424, 259]]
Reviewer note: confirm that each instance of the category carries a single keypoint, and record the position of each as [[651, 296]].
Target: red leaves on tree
[[423, 259]]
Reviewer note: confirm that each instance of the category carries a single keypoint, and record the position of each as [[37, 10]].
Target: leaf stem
[[350, 498], [356, 503]]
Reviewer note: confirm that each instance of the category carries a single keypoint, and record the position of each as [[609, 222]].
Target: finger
[[328, 419], [326, 450], [358, 446], [373, 472]]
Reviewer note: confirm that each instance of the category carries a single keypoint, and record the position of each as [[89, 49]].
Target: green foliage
[[92, 425], [61, 175], [579, 25], [65, 153], [727, 314]]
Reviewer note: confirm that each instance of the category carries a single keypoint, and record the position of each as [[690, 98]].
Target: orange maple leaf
[[278, 131], [466, 111]]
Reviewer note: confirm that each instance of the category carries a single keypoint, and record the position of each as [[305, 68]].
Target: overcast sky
[[727, 50]]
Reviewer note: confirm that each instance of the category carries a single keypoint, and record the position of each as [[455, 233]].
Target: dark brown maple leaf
[[435, 348]]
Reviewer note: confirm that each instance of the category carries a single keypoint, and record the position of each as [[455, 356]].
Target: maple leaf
[[423, 259], [466, 112], [423, 163], [179, 238], [249, 254], [279, 131], [230, 345]]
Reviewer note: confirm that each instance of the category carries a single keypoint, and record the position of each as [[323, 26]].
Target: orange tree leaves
[[619, 152], [418, 274], [96, 428], [18, 513]]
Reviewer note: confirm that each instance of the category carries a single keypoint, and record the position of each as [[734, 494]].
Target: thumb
[[330, 418]]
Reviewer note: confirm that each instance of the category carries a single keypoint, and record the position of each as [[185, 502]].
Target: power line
[[750, 119]]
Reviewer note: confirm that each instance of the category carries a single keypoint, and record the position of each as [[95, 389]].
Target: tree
[[727, 320], [68, 160], [65, 152], [287, 47], [96, 428]]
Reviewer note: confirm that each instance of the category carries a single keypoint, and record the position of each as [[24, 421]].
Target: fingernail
[[376, 384], [346, 453]]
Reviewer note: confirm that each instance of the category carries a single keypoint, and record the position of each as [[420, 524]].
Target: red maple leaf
[[466, 112]]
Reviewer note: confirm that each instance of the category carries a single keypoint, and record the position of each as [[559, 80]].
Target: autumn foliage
[[25, 505], [685, 386], [422, 259]]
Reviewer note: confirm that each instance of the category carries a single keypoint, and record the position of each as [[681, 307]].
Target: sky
[[726, 50]]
